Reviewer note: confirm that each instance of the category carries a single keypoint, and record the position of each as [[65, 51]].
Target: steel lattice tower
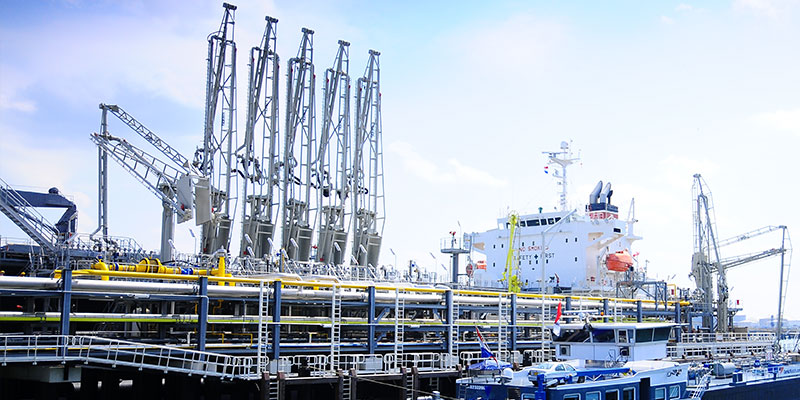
[[258, 156], [368, 193], [298, 154]]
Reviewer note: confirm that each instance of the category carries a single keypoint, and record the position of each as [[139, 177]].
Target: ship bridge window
[[661, 334], [603, 336], [612, 394], [572, 397], [593, 396], [566, 240], [644, 335], [533, 222], [550, 221], [573, 335], [661, 394], [558, 219]]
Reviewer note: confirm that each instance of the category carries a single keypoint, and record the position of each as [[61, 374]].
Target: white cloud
[[453, 171], [667, 20], [684, 7], [7, 103], [766, 8], [784, 120]]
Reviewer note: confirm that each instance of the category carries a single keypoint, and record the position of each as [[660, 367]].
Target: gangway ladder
[[263, 330], [347, 386], [453, 333], [399, 328], [547, 315], [336, 327], [274, 389], [503, 321], [409, 383], [702, 386]]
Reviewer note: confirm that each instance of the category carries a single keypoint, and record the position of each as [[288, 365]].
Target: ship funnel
[[595, 193], [605, 194]]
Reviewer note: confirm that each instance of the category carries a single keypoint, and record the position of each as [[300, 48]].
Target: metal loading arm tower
[[368, 191], [215, 160], [172, 186], [298, 154], [706, 259], [258, 156], [19, 207], [332, 166]]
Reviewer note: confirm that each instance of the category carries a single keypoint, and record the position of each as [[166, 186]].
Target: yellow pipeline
[[154, 266]]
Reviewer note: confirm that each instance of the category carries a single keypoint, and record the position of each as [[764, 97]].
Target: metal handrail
[[92, 349]]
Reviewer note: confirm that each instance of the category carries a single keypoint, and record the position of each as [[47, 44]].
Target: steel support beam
[[513, 340], [605, 310], [202, 314], [66, 300], [276, 319], [371, 319], [638, 311]]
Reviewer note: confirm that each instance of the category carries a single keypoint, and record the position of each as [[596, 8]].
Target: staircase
[[22, 214], [399, 328], [263, 328], [336, 327]]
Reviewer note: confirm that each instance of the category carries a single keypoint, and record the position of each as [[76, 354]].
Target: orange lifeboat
[[620, 261]]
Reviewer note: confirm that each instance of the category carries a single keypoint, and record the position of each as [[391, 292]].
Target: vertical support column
[[276, 319], [513, 339], [371, 343], [605, 310], [102, 179], [202, 314], [568, 303], [66, 306], [679, 329], [638, 311], [448, 304]]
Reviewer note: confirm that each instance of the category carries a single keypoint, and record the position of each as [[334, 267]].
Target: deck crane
[[258, 156], [170, 184], [215, 160], [334, 148], [706, 247], [298, 152], [368, 194]]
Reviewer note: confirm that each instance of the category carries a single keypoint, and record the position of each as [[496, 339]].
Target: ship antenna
[[564, 159]]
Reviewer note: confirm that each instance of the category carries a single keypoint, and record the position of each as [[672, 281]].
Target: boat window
[[522, 223], [573, 335], [623, 336], [603, 336], [628, 394], [644, 335], [661, 334], [543, 222], [550, 221], [569, 367], [533, 222], [528, 396], [514, 393], [612, 394], [572, 397], [558, 219], [661, 394], [674, 392], [593, 396]]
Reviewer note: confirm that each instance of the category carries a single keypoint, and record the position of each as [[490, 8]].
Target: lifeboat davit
[[620, 261]]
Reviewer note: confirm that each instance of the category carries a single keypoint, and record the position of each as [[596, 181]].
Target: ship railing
[[113, 352], [695, 337]]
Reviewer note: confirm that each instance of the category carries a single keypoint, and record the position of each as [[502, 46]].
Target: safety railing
[[96, 350], [695, 337]]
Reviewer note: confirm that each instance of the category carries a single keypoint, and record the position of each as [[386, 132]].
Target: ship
[[558, 251]]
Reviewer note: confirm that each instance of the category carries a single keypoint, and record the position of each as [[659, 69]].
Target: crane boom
[[179, 159]]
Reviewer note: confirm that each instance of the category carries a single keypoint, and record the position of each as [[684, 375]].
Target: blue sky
[[473, 92]]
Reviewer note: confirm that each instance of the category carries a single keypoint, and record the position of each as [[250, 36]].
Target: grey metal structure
[[216, 159], [368, 191], [168, 183], [333, 162], [258, 156], [298, 154], [703, 265]]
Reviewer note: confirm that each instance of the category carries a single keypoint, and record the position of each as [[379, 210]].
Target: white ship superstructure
[[580, 251]]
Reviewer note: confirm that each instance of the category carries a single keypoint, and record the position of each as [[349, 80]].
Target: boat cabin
[[612, 341]]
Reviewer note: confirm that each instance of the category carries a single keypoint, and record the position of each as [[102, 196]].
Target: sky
[[648, 93]]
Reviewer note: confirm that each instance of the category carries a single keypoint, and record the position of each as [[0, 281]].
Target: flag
[[556, 326], [485, 352]]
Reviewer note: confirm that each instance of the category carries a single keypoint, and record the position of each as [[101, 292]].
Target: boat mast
[[564, 159]]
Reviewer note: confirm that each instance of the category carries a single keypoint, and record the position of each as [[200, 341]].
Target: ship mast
[[564, 159]]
